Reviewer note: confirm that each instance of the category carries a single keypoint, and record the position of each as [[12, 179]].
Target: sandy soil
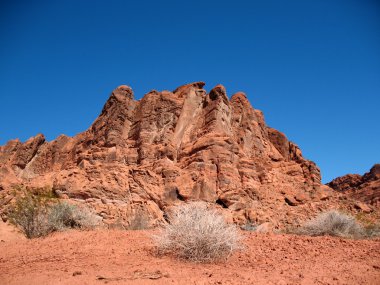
[[127, 257], [9, 233]]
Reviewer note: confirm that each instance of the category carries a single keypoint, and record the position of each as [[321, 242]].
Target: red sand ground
[[127, 257]]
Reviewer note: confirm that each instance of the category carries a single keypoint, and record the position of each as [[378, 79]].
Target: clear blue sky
[[312, 67]]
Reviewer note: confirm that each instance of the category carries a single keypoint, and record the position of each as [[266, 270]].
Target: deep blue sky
[[312, 67]]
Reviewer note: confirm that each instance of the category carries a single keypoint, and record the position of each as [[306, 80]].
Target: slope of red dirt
[[9, 233], [128, 257]]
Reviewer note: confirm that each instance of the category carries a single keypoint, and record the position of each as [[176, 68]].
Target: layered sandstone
[[141, 157], [364, 188]]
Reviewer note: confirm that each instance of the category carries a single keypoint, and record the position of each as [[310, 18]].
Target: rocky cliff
[[364, 188], [141, 157]]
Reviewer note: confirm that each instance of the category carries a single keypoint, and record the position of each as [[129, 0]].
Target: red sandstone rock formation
[[365, 189], [145, 156]]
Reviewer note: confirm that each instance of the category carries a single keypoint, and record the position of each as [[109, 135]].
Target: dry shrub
[[198, 234], [332, 223], [372, 231], [370, 222], [63, 215], [249, 226], [38, 215], [140, 221]]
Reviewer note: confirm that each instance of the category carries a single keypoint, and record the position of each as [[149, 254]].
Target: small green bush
[[38, 215], [332, 223], [29, 213], [198, 234]]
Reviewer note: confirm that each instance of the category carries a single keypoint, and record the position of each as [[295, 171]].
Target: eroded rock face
[[364, 188], [142, 157]]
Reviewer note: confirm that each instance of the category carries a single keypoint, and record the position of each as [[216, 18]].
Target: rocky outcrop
[[365, 189], [142, 157]]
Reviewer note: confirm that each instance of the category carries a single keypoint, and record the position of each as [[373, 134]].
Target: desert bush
[[29, 213], [63, 215], [249, 226], [332, 223], [372, 231], [139, 221], [38, 215], [197, 234], [370, 222]]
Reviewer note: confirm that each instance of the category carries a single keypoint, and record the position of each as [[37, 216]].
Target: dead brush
[[332, 223], [198, 234], [64, 215]]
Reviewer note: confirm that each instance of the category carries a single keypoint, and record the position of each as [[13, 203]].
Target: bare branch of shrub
[[198, 234]]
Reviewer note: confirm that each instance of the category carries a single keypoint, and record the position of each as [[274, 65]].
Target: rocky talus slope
[[139, 158]]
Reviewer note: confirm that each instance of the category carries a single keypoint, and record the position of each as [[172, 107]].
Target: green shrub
[[198, 234], [38, 215], [29, 213]]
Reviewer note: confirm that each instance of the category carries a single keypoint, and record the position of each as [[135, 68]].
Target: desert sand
[[129, 257]]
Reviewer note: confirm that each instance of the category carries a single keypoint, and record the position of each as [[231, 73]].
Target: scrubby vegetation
[[198, 234], [372, 230], [370, 222], [333, 223], [139, 221], [29, 213], [249, 226], [38, 213], [63, 215]]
